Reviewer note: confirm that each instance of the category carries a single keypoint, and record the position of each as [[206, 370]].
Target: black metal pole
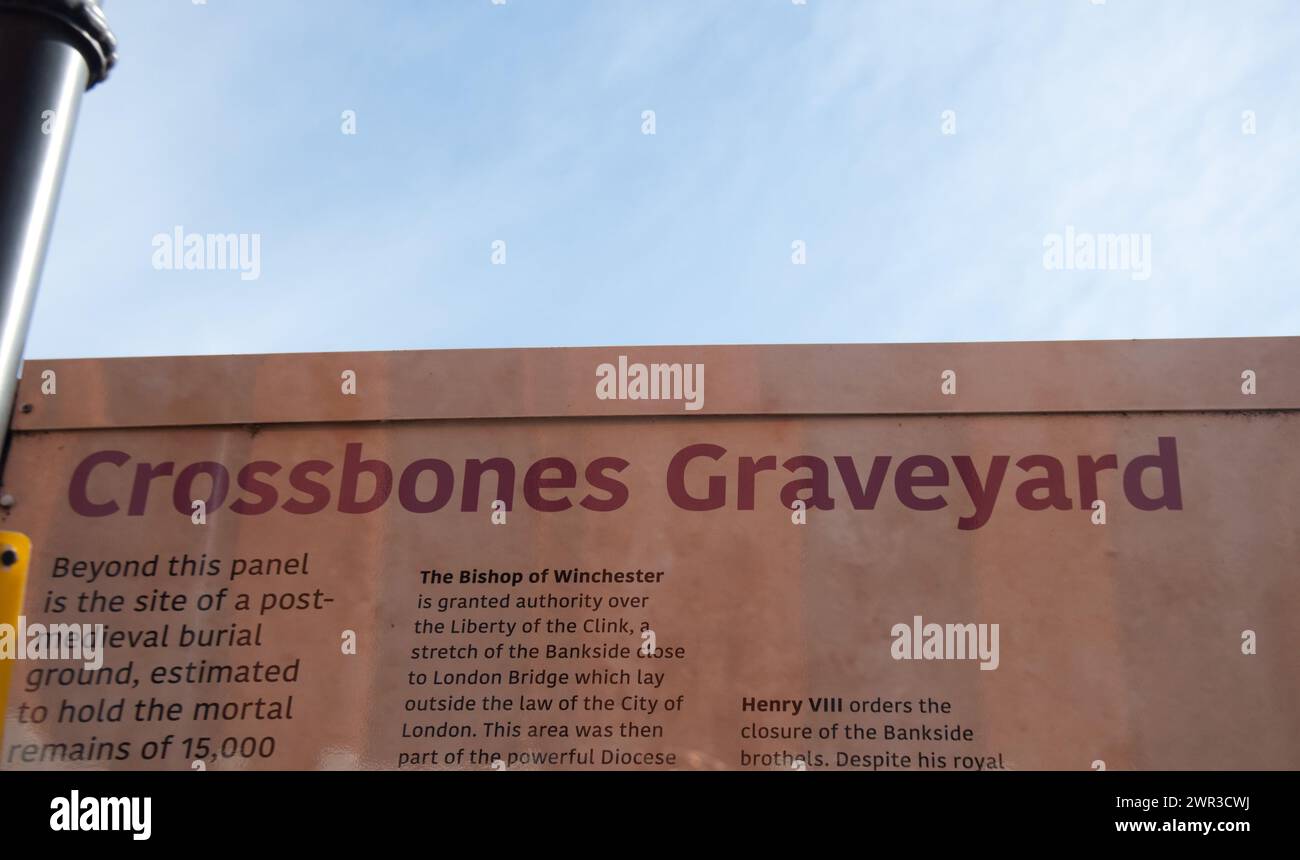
[[51, 51]]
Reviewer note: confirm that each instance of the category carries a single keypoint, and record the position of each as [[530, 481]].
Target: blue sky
[[774, 122]]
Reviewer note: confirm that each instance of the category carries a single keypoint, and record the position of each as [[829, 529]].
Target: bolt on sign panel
[[924, 557]]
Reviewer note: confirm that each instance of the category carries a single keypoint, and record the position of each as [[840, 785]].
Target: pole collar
[[89, 26]]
